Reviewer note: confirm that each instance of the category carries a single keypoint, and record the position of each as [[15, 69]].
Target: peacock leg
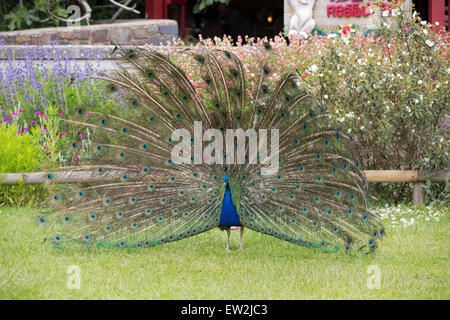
[[228, 240], [242, 235]]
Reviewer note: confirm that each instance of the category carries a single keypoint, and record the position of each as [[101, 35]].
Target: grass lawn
[[413, 263]]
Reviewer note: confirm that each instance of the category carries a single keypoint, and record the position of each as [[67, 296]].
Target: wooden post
[[418, 194]]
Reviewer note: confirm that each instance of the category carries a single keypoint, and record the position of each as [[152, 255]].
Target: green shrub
[[20, 151]]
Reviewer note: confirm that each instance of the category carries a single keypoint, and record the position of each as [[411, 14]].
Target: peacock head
[[225, 179]]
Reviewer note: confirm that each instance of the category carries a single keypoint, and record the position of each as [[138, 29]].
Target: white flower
[[424, 22], [331, 35], [325, 96], [385, 13], [425, 31], [349, 130], [436, 23], [414, 14], [314, 68], [362, 74], [359, 61], [429, 43], [419, 82]]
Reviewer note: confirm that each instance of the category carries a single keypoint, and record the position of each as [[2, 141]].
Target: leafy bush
[[392, 91], [20, 151]]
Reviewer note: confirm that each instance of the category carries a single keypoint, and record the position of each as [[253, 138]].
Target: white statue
[[302, 22]]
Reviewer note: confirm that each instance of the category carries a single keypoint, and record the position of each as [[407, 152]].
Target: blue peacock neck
[[228, 216]]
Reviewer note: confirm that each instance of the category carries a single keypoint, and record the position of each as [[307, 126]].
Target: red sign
[[347, 10]]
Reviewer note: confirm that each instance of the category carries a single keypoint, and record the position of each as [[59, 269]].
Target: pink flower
[[25, 129], [21, 111], [44, 115], [18, 131], [80, 135], [59, 149], [62, 112], [90, 113], [44, 147], [14, 113], [420, 154], [38, 113], [8, 118], [31, 123], [63, 133], [75, 156]]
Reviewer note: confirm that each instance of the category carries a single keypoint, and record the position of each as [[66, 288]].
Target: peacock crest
[[166, 162]]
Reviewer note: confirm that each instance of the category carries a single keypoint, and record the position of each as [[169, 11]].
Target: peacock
[[179, 160]]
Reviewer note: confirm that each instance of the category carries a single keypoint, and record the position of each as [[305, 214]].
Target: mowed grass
[[413, 263]]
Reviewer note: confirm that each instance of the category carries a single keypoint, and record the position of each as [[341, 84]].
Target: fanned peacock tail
[[311, 193]]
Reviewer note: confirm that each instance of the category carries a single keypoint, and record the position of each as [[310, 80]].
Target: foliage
[[35, 94], [30, 14], [47, 76], [392, 91], [20, 151], [202, 5], [19, 14]]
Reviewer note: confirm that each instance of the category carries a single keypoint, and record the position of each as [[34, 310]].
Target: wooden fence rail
[[388, 176]]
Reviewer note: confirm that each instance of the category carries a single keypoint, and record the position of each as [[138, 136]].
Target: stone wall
[[134, 32]]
